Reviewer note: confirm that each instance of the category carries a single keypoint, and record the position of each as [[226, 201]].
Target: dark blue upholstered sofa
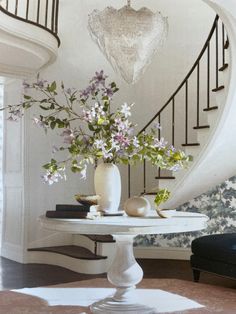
[[215, 254]]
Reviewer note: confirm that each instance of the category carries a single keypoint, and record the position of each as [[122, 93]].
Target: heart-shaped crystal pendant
[[128, 38]]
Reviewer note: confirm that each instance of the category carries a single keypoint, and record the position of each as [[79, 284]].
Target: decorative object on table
[[64, 207], [69, 214], [92, 133], [113, 214], [87, 200], [137, 206], [128, 38], [166, 213], [108, 185], [162, 196], [73, 211]]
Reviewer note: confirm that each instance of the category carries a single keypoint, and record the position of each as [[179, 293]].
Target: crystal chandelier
[[128, 38]]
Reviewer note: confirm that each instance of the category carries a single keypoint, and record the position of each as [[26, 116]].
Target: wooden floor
[[14, 275]]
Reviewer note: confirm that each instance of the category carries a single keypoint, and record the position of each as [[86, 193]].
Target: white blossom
[[125, 109]]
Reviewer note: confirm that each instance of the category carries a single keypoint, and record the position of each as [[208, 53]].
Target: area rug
[[213, 299]]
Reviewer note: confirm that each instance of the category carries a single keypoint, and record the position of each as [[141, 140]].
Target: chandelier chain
[[128, 3]]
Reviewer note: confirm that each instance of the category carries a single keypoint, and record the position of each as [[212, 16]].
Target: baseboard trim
[[13, 252], [162, 252]]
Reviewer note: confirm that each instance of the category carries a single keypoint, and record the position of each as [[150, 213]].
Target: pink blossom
[[68, 135]]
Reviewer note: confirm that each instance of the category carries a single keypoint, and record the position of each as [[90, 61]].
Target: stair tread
[[226, 45], [201, 127], [210, 108], [218, 88], [191, 144], [165, 177], [100, 238], [225, 66], [70, 250]]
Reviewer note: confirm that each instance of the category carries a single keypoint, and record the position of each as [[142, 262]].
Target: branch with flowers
[[91, 131]]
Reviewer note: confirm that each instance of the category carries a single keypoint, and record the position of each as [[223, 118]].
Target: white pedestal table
[[125, 273]]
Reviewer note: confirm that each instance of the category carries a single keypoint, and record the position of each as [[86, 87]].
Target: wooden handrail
[[187, 76]]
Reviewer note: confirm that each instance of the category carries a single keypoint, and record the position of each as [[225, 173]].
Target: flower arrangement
[[89, 129]]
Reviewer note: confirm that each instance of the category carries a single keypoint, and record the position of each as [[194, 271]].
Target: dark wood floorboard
[[14, 275]]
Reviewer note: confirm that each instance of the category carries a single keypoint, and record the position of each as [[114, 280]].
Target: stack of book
[[72, 211]]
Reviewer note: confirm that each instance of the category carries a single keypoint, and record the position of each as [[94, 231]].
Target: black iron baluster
[[186, 112], [27, 10], [56, 16], [53, 16], [16, 7], [38, 11], [208, 75], [144, 176], [217, 55], [173, 121], [7, 5], [198, 94], [223, 45], [159, 137], [46, 14]]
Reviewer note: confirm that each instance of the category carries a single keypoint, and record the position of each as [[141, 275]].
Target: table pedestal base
[[124, 274], [109, 305]]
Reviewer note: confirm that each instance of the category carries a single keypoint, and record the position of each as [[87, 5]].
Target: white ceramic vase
[[108, 185]]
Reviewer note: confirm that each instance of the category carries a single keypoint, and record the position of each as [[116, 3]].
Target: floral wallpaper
[[219, 204]]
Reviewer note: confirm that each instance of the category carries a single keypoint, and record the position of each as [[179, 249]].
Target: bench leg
[[196, 275]]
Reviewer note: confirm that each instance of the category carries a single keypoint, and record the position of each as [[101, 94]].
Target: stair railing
[[43, 14], [218, 51]]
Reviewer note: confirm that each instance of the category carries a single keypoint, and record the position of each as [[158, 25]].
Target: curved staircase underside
[[25, 48]]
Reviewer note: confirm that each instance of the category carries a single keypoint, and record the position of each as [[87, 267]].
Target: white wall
[[79, 58]]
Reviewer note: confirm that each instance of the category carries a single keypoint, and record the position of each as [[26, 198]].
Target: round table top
[[125, 225]]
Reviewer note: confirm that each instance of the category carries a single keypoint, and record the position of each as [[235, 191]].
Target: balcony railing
[[42, 13]]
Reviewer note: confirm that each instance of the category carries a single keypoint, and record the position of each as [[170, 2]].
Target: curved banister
[[46, 19], [187, 76]]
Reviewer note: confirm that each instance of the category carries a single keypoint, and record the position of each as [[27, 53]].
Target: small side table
[[125, 273]]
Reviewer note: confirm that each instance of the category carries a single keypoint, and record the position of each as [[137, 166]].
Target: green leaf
[[53, 86], [44, 108], [27, 97], [52, 125], [91, 128], [47, 166], [101, 121], [162, 196]]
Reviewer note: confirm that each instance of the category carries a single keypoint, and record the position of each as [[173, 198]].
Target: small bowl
[[87, 200]]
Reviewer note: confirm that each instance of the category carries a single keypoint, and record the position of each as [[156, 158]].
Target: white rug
[[161, 300]]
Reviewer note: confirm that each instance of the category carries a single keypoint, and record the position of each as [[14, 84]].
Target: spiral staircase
[[208, 94], [199, 104]]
